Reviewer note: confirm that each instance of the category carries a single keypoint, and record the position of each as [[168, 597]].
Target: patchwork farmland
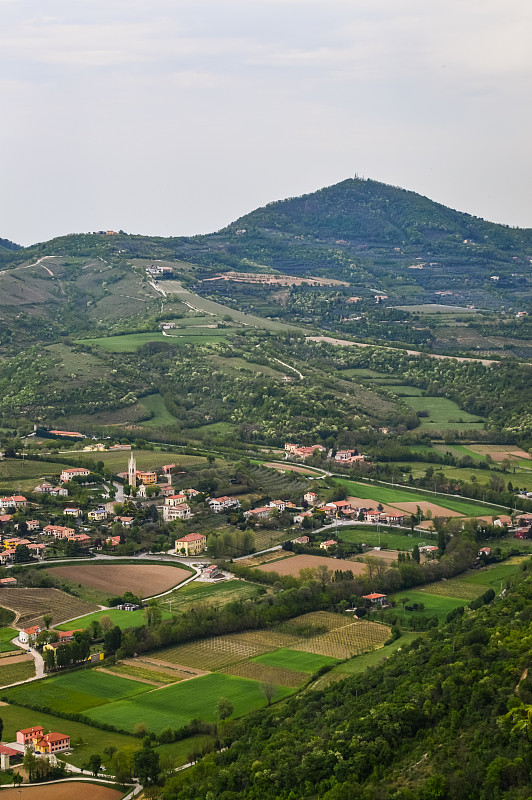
[[185, 682], [29, 605]]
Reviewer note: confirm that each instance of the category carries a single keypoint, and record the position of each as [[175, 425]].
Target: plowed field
[[143, 580], [74, 790], [292, 566], [31, 604]]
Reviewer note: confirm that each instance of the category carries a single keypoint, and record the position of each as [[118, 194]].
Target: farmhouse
[[428, 548], [263, 512], [178, 511], [7, 582], [74, 472], [301, 540], [211, 572], [484, 551], [278, 505], [327, 544], [394, 519], [376, 598], [59, 531], [33, 524], [112, 541], [28, 634], [303, 452], [311, 498], [218, 504], [48, 488], [16, 501], [175, 499], [72, 512], [349, 457], [127, 522], [25, 736], [298, 519], [51, 743], [192, 543], [97, 514]]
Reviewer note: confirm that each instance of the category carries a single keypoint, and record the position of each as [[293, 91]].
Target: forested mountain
[[445, 718]]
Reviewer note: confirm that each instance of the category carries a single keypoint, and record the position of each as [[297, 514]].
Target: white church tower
[[132, 472]]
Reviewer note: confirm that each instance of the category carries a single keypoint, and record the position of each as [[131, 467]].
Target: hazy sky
[[176, 117]]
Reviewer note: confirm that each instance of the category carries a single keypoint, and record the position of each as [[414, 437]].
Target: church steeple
[[132, 472]]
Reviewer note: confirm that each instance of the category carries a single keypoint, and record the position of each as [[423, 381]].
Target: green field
[[130, 342], [175, 705], [162, 418], [76, 691], [296, 660], [13, 673], [124, 619], [18, 468], [435, 605], [444, 415], [210, 594], [402, 390], [6, 636], [390, 495], [391, 541], [358, 664], [492, 576]]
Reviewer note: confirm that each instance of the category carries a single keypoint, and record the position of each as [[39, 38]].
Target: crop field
[[454, 587], [130, 342], [298, 660], [16, 670], [146, 459], [293, 566], [218, 652], [209, 594], [498, 452], [21, 469], [144, 673], [266, 673], [175, 705], [491, 577], [6, 637], [74, 790], [350, 640], [143, 580], [31, 604], [76, 691], [124, 619]]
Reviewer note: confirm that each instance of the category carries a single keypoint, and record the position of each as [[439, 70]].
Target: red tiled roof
[[32, 630], [35, 729], [374, 596], [191, 537]]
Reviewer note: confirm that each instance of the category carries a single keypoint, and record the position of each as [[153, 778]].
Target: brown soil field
[[290, 468], [31, 604], [265, 558], [274, 280], [143, 580], [358, 502], [292, 566], [16, 658], [72, 790], [437, 511], [498, 452]]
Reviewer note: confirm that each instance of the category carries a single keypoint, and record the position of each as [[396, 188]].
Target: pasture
[[444, 415], [175, 705], [76, 691], [162, 418], [6, 640], [434, 605], [124, 619], [30, 604], [144, 580], [22, 469], [295, 660], [386, 539]]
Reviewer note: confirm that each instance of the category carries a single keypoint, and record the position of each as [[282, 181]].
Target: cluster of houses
[[301, 453], [7, 554], [176, 506], [345, 508]]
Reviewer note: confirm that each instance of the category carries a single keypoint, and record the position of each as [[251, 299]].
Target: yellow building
[[192, 544], [146, 477]]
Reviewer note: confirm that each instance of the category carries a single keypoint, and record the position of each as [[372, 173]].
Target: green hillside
[[430, 722]]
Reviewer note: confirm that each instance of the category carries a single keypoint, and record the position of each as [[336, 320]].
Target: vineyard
[[30, 604], [273, 483], [321, 636], [266, 673]]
